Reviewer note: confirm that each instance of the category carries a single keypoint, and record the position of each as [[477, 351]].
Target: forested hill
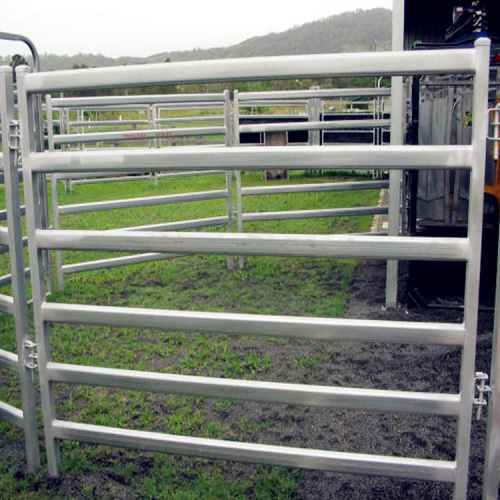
[[358, 31]]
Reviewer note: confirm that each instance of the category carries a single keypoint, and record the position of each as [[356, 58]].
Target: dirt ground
[[394, 366]]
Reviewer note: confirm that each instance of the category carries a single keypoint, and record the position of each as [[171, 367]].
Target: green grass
[[285, 286]]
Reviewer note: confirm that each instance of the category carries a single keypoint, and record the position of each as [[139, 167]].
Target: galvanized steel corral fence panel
[[22, 363], [472, 157]]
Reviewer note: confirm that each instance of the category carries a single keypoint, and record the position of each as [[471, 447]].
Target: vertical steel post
[[395, 176], [229, 175], [34, 221], [53, 186], [471, 298], [492, 456], [237, 173], [16, 256]]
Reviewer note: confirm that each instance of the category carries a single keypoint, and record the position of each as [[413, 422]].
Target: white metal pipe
[[259, 453], [135, 135], [311, 125], [258, 68], [11, 414], [140, 202], [313, 214], [9, 361], [83, 102], [330, 329], [252, 390], [297, 245], [128, 260], [315, 93], [248, 158], [313, 188], [6, 304]]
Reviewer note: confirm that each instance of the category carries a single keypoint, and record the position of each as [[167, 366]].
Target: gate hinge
[[481, 388], [31, 355]]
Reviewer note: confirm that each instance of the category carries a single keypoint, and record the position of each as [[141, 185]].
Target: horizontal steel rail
[[84, 102], [330, 125], [332, 329], [266, 68], [11, 414], [136, 135], [7, 304], [105, 123], [189, 105], [128, 260], [297, 245], [7, 278], [4, 236], [259, 453], [188, 119], [9, 361], [84, 175], [147, 257], [248, 158], [278, 103], [312, 214], [313, 188], [99, 180], [3, 213], [141, 202], [314, 93], [268, 392], [184, 224], [189, 173]]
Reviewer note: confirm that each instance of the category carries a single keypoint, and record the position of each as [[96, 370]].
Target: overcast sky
[[142, 28]]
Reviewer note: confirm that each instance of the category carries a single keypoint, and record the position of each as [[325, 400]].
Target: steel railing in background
[[314, 102]]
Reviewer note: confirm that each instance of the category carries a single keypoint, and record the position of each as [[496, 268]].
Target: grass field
[[285, 286]]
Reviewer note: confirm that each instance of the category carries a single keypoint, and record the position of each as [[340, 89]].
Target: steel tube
[[248, 158], [297, 245], [188, 119], [318, 93], [103, 123], [3, 213], [258, 68], [128, 260], [83, 102], [175, 226], [313, 188], [313, 214], [4, 236], [135, 135], [11, 414], [333, 125], [332, 329], [259, 453], [9, 361], [128, 178], [270, 392], [6, 304], [140, 202], [192, 172]]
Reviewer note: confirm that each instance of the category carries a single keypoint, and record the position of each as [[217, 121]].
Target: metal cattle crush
[[37, 164]]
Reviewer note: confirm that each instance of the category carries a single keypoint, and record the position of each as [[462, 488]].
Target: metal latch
[[481, 388], [14, 135], [31, 355]]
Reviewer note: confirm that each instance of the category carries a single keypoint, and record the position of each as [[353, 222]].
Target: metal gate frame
[[22, 363], [36, 165]]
